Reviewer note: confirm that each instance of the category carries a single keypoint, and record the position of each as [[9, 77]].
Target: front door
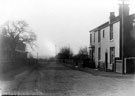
[[106, 61]]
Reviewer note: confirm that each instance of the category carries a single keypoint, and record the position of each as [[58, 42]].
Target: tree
[[65, 53], [18, 32], [83, 51], [82, 57]]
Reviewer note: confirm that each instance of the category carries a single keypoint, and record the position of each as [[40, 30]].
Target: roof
[[99, 27], [105, 24], [108, 23], [132, 16]]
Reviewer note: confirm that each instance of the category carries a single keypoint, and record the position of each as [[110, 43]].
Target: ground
[[54, 79]]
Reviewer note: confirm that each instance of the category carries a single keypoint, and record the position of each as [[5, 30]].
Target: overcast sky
[[60, 23]]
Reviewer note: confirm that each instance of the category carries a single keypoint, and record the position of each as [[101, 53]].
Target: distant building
[[112, 44], [6, 51]]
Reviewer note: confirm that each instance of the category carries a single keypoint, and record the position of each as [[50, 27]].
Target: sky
[[59, 23]]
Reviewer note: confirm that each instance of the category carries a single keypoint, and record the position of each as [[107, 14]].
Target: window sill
[[111, 40]]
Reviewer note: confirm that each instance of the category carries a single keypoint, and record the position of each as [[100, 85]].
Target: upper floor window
[[99, 37], [94, 36], [103, 33], [90, 38], [134, 22], [111, 31]]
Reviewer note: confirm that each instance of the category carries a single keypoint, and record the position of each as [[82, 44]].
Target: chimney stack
[[123, 10], [112, 16]]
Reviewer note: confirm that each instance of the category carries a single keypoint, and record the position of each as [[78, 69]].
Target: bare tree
[[82, 54], [65, 53], [83, 51], [18, 31]]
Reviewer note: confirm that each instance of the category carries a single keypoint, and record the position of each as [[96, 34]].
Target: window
[[99, 53], [134, 22], [111, 31], [103, 33], [133, 27], [90, 53], [99, 36], [90, 38], [94, 36], [112, 54]]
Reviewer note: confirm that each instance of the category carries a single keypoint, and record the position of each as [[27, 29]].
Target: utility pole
[[122, 35], [122, 32], [122, 2], [123, 8]]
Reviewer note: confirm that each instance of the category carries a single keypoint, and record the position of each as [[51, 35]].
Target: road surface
[[54, 79]]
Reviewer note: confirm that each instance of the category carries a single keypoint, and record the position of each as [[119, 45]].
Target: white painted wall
[[92, 33], [106, 43], [103, 44], [96, 48], [116, 41]]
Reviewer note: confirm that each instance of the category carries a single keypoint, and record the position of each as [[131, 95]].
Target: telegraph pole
[[122, 20], [122, 35]]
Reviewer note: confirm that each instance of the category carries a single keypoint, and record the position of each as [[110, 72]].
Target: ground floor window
[[99, 53], [112, 54], [90, 53]]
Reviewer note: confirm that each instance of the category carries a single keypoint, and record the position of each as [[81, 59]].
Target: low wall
[[119, 66], [129, 65], [11, 65]]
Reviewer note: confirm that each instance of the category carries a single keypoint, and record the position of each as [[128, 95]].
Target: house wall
[[103, 44], [123, 39], [116, 29], [96, 48], [106, 43], [92, 42], [115, 42]]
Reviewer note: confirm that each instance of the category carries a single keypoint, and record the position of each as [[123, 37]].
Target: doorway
[[106, 61]]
